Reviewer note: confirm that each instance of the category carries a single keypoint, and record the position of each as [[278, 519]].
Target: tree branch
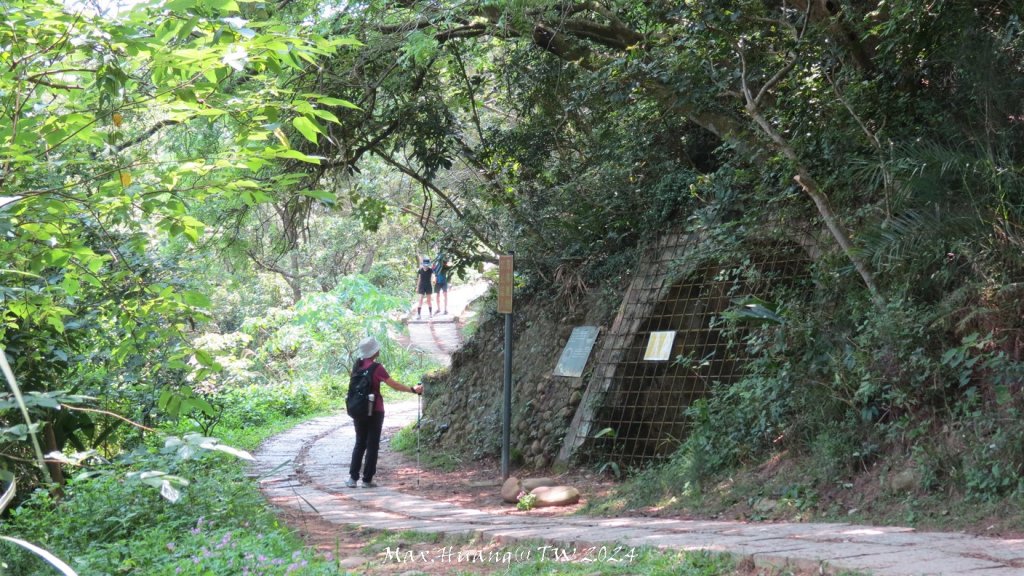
[[272, 267], [428, 185], [810, 187], [106, 413], [145, 135]]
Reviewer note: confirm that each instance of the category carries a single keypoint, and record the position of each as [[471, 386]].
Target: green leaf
[[225, 5], [326, 116], [180, 5], [195, 299], [754, 310], [55, 321], [323, 195], [71, 285], [330, 101], [206, 359], [306, 127], [296, 155], [202, 405]]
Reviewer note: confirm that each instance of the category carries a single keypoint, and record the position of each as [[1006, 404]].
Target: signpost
[[505, 283]]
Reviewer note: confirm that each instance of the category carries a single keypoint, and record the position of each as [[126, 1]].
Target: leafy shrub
[[256, 404], [109, 525], [526, 501], [318, 337]]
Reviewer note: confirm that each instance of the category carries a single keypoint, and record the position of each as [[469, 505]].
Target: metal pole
[[419, 432], [506, 416]]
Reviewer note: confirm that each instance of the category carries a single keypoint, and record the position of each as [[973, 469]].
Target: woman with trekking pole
[[368, 427]]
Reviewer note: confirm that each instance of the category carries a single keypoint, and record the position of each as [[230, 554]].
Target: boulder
[[555, 496], [513, 487], [510, 490], [529, 484], [904, 481]]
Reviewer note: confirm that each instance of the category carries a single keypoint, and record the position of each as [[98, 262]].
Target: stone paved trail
[[438, 335], [300, 468]]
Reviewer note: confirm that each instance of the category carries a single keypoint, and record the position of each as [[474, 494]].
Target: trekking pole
[[419, 431]]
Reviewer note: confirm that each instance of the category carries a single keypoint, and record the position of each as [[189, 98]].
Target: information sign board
[[576, 352], [659, 346]]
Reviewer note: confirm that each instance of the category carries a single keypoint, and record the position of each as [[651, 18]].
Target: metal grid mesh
[[644, 402]]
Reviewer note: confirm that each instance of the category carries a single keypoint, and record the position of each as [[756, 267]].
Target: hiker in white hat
[[368, 428]]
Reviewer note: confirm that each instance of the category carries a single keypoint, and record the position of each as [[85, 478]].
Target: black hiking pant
[[368, 431]]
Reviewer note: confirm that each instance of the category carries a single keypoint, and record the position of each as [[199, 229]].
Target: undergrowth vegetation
[[109, 525]]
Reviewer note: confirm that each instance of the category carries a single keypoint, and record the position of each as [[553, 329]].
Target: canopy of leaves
[[102, 160]]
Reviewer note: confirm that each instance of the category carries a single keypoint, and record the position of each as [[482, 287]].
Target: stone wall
[[462, 410]]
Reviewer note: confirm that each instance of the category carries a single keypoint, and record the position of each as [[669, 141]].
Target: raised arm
[[417, 389]]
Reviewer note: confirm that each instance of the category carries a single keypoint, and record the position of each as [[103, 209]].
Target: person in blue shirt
[[441, 281]]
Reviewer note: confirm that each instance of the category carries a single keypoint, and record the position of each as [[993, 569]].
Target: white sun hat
[[368, 347]]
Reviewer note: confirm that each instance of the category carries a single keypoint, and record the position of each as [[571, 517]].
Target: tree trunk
[[368, 261], [294, 279], [56, 472]]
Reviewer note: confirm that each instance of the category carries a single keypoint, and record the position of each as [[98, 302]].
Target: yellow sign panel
[[659, 347], [505, 282]]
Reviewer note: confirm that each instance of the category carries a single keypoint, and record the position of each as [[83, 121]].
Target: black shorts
[[441, 286], [424, 290]]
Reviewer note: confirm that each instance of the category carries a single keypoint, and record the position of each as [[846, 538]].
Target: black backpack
[[360, 386]]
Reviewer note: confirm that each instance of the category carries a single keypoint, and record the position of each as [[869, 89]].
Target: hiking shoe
[[369, 484], [350, 483]]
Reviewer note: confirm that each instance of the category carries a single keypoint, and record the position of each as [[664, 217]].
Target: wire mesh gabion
[[641, 415]]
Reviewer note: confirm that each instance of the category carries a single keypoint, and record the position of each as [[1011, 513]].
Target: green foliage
[[139, 149], [405, 440], [112, 519], [96, 180], [426, 453], [526, 501], [108, 525], [318, 337], [259, 404]]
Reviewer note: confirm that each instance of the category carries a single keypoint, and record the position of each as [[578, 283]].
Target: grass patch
[[405, 441]]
